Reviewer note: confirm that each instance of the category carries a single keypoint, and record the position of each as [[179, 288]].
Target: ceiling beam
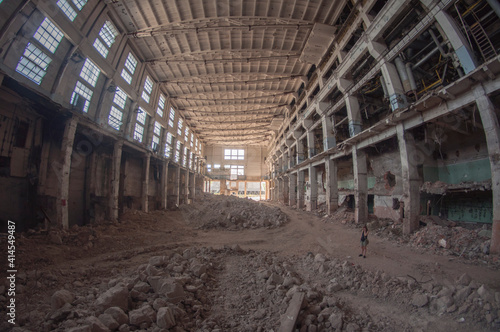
[[279, 78], [245, 60], [223, 52], [238, 98]]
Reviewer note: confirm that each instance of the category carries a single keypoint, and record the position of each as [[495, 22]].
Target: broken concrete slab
[[289, 319]]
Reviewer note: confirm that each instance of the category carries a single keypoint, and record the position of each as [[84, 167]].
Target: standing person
[[364, 241]]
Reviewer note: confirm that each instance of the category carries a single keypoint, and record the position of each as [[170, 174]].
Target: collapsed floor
[[165, 271]]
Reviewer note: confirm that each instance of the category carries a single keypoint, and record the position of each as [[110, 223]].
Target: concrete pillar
[[312, 202], [332, 195], [114, 192], [63, 170], [397, 97], [245, 193], [411, 181], [193, 187], [300, 152], [129, 118], [281, 192], [354, 115], [292, 200], [311, 150], [177, 185], [286, 190], [457, 40], [186, 187], [164, 185], [145, 182], [300, 189], [328, 135], [492, 133], [360, 185]]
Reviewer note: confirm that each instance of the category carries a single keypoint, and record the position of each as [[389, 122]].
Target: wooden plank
[[290, 318]]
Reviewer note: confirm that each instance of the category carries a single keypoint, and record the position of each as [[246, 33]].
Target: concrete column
[[145, 182], [311, 151], [360, 185], [115, 181], [300, 189], [411, 181], [354, 115], [129, 118], [177, 185], [328, 135], [292, 189], [245, 193], [397, 97], [164, 185], [186, 187], [457, 40], [492, 133], [332, 195], [63, 170], [192, 185], [312, 202], [281, 197], [286, 190], [300, 152]]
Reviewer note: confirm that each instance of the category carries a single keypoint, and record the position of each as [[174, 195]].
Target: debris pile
[[232, 213]]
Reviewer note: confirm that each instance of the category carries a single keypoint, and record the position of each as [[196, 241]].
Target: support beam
[[411, 181], [146, 161], [300, 189], [186, 187], [312, 202], [63, 170], [332, 195], [492, 133], [328, 135], [164, 185], [354, 115], [286, 190], [397, 97], [114, 193], [292, 189], [360, 186], [311, 151], [177, 185]]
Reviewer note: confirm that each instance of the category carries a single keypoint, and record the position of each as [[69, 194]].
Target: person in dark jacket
[[364, 241]]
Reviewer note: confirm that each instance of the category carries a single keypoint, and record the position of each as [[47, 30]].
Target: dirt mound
[[232, 213]]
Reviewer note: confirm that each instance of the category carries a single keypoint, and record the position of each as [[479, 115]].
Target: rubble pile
[[232, 213], [230, 289], [472, 244]]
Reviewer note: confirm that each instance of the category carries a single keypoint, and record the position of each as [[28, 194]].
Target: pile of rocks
[[232, 213]]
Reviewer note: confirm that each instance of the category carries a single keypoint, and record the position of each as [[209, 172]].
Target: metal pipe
[[425, 58], [411, 78], [400, 66], [384, 87], [438, 44]]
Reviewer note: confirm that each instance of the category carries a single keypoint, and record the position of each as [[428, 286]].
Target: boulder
[[60, 298], [419, 300], [486, 294], [165, 318], [336, 320], [109, 321], [118, 314], [275, 279], [96, 325], [116, 296], [144, 314]]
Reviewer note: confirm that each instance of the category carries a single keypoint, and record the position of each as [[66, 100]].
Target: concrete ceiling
[[231, 67]]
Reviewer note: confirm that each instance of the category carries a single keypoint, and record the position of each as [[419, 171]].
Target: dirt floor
[[165, 271]]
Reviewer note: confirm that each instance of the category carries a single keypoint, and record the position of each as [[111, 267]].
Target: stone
[[352, 327], [288, 282], [263, 274], [464, 280], [151, 270], [419, 300], [61, 313], [334, 287], [96, 325], [142, 287], [124, 328], [144, 314], [158, 303], [116, 296], [485, 233], [260, 313], [109, 321], [157, 260], [60, 298], [165, 318], [199, 269], [444, 243], [336, 321], [320, 258], [275, 279], [486, 294], [169, 287], [118, 314], [84, 328], [55, 238], [443, 303], [462, 294]]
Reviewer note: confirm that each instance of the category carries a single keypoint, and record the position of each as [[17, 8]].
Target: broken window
[[116, 113]]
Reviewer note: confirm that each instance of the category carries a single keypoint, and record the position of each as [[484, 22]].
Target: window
[[80, 3], [237, 170], [106, 38], [129, 68], [33, 64], [116, 113], [161, 106], [171, 118], [209, 167], [186, 135], [139, 125], [177, 151], [48, 35], [90, 72], [168, 145], [67, 9], [190, 160], [81, 91], [192, 139], [179, 127], [234, 154], [156, 136], [148, 88], [216, 166]]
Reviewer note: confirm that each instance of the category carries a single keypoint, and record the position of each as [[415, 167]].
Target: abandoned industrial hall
[[198, 119]]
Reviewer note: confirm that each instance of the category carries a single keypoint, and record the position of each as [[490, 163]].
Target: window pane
[[157, 128], [30, 70], [131, 63], [108, 33], [141, 116], [145, 96], [138, 132], [148, 85], [120, 98], [67, 9], [84, 92], [115, 118], [48, 35], [80, 3], [99, 46], [90, 72], [126, 76], [161, 102], [169, 138]]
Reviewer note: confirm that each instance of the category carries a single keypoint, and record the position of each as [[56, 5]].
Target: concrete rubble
[[232, 213], [230, 289]]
